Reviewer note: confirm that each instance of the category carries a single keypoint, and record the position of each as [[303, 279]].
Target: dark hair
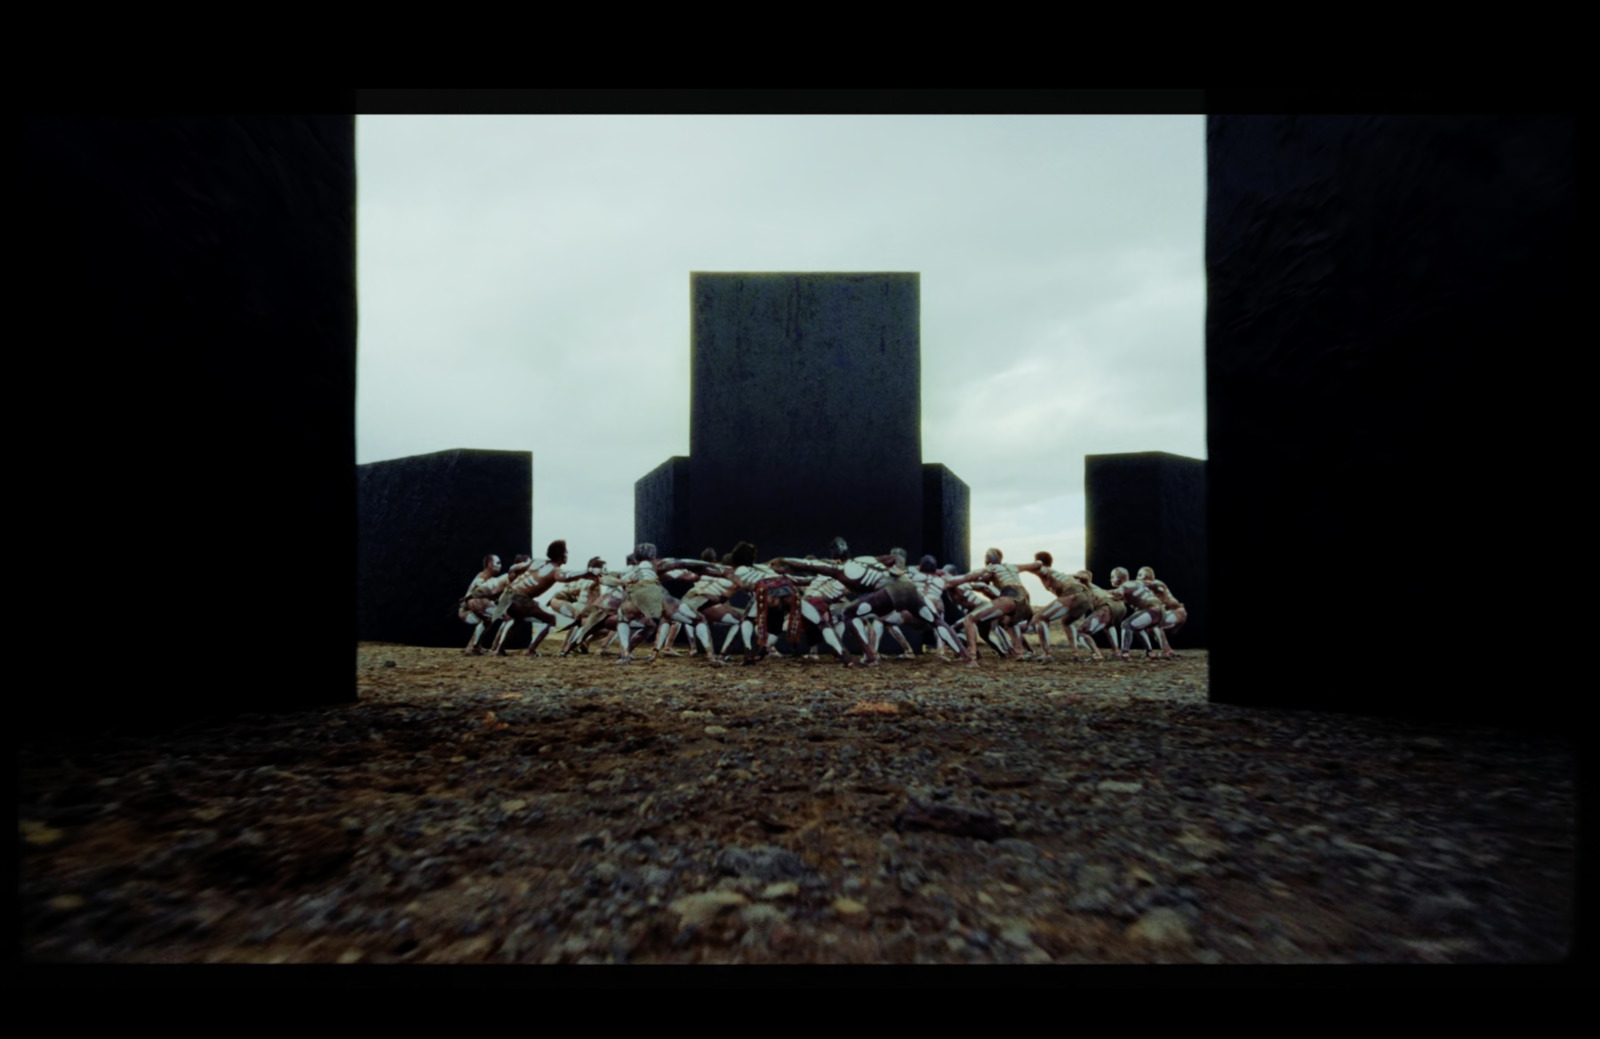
[[595, 561], [645, 550], [838, 548], [632, 559], [929, 565], [557, 552], [709, 555], [522, 558], [1044, 557], [743, 554], [952, 570], [488, 560]]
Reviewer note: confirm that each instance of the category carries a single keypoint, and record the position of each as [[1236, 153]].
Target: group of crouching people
[[817, 603]]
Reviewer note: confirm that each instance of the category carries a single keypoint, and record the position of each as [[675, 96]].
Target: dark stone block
[[946, 516], [1374, 285], [661, 510], [202, 272], [805, 411], [426, 523], [1149, 509]]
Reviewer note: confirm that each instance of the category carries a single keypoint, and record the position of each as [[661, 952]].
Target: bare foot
[[623, 660]]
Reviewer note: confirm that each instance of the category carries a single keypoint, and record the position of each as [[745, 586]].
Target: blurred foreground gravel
[[524, 810]]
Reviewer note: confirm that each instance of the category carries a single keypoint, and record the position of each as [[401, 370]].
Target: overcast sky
[[524, 286]]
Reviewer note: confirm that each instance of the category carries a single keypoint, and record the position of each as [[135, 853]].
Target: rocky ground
[[522, 810]]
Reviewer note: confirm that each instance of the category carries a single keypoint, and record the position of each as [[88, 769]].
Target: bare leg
[[943, 636], [1044, 640], [1021, 650], [498, 649], [736, 628], [994, 612], [892, 622], [1139, 622], [624, 638], [864, 633]]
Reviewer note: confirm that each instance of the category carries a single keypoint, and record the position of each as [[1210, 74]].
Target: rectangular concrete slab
[[1149, 509], [426, 522], [661, 509], [805, 411], [946, 516], [197, 273], [1383, 295]]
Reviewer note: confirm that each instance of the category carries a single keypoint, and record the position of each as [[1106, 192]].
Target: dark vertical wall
[[426, 523], [195, 277], [1383, 291], [946, 516], [805, 411], [661, 510], [1149, 509]]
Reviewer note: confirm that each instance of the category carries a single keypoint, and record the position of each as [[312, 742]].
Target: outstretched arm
[[812, 566], [696, 567]]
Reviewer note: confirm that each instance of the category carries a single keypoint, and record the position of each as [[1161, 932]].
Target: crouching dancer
[[644, 604], [519, 601], [931, 583], [1073, 600], [817, 599], [707, 601], [1158, 610], [971, 598], [477, 606], [1106, 611], [1009, 609], [887, 598]]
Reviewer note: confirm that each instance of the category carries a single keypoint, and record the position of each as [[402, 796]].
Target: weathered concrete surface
[[805, 411], [197, 276], [1149, 509], [661, 510], [946, 516], [1381, 293], [426, 523]]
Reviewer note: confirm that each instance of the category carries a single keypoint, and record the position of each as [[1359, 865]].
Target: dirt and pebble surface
[[545, 810]]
